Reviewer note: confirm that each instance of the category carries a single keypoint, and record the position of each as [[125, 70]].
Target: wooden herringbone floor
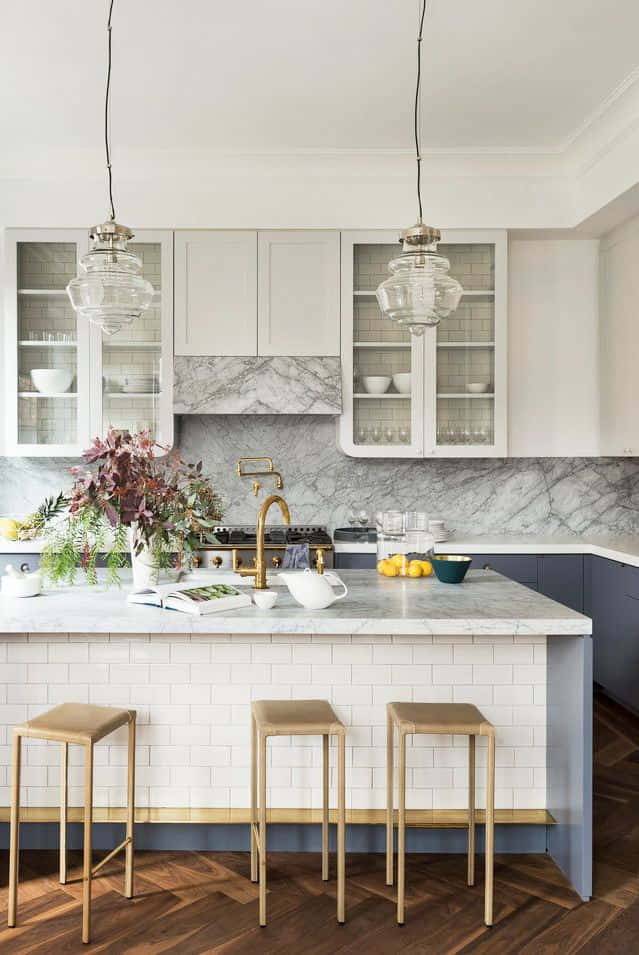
[[204, 902]]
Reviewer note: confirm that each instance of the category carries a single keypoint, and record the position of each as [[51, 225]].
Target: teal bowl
[[451, 568]]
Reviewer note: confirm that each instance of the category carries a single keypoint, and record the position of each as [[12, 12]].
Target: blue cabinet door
[[355, 561], [561, 577], [519, 567]]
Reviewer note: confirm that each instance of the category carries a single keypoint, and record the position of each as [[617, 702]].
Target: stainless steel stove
[[241, 537]]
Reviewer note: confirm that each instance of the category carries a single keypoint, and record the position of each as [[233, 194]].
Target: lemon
[[415, 568], [9, 528], [402, 565], [382, 565], [388, 568], [427, 568], [398, 559]]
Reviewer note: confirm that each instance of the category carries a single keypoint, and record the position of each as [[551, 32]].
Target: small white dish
[[401, 380], [264, 599], [376, 384], [476, 387], [51, 381]]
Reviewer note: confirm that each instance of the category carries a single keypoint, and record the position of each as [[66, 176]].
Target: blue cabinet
[[355, 561], [615, 616], [519, 567], [561, 577]]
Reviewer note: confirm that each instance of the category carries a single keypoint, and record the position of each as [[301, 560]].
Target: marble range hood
[[257, 385]]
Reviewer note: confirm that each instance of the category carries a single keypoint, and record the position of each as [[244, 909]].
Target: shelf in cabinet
[[43, 291], [404, 345], [132, 394], [131, 345], [465, 394], [39, 394], [465, 344], [27, 343], [385, 395], [467, 293]]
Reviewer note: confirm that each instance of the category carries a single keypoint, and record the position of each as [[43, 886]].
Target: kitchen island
[[525, 660]]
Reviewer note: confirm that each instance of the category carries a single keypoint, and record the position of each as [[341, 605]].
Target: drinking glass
[[389, 435], [376, 433], [404, 435], [362, 434]]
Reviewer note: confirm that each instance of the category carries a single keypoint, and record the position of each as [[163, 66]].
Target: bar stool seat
[[296, 718], [84, 725], [448, 719], [451, 719], [80, 723]]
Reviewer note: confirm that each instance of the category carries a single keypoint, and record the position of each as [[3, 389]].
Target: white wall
[[553, 347]]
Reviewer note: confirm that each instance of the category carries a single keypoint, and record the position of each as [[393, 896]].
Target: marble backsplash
[[322, 485]]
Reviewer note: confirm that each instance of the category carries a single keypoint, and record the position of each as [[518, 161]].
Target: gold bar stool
[[450, 719], [296, 718], [83, 725]]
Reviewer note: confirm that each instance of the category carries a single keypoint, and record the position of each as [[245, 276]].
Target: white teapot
[[313, 591]]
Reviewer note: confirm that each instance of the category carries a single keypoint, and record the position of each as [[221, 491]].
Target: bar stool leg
[[262, 853], [88, 817], [389, 798], [15, 831], [64, 802], [490, 829], [130, 814], [471, 810], [253, 825], [325, 770], [341, 826], [401, 833]]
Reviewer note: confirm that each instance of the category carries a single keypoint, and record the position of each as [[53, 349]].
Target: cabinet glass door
[[384, 383], [465, 353], [134, 392], [52, 358]]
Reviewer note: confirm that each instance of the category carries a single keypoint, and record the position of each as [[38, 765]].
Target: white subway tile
[[493, 674], [478, 695], [68, 653], [171, 672], [477, 653], [514, 654], [47, 672], [290, 673], [530, 674], [313, 653], [129, 673], [417, 675], [432, 653], [513, 695], [392, 653], [272, 653], [330, 673], [452, 674], [208, 756], [353, 655]]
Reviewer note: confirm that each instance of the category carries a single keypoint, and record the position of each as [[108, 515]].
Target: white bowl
[[476, 387], [51, 381], [376, 384], [264, 599], [402, 382]]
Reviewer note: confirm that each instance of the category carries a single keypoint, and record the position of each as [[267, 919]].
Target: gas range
[[242, 538]]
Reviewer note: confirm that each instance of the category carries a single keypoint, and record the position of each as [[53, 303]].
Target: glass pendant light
[[419, 292], [110, 291]]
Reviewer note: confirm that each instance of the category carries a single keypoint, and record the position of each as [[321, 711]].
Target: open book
[[207, 598]]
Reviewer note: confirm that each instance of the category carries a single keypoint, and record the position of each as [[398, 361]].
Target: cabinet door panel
[[215, 293], [519, 567], [561, 578], [299, 293]]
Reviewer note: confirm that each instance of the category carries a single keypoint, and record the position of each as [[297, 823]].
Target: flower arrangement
[[125, 495]]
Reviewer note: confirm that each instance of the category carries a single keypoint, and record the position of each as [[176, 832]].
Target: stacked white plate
[[143, 384]]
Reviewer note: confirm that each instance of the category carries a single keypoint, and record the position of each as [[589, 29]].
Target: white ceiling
[[299, 75]]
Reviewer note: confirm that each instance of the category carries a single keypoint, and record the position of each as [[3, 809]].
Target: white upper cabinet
[[619, 341], [441, 395], [298, 293], [215, 292], [553, 364]]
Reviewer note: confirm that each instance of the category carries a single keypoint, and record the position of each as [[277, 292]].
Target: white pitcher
[[313, 591]]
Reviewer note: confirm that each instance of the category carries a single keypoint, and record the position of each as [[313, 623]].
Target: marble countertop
[[486, 603], [622, 548]]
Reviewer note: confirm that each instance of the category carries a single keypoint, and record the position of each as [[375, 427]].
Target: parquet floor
[[190, 902]]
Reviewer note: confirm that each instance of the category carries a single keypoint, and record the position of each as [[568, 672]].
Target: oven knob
[[238, 562], [277, 561], [217, 561], [196, 561]]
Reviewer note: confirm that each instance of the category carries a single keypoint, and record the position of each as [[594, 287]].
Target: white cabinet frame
[[424, 359], [13, 447]]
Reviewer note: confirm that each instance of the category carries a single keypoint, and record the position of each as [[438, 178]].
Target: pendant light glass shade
[[110, 290], [419, 292]]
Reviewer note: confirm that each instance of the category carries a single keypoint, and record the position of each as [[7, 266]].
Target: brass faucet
[[259, 571]]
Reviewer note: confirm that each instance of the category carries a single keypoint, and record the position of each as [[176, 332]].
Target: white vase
[[145, 572]]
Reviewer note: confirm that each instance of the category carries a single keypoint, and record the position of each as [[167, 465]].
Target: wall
[[519, 495]]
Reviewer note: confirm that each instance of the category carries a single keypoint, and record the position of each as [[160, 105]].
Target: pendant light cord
[[418, 152], [107, 144]]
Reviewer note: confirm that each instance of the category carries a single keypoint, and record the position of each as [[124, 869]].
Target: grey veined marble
[[224, 385], [579, 496], [484, 605]]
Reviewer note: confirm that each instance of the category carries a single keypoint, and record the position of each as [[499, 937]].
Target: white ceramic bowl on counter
[[476, 387], [375, 384], [51, 381], [402, 382]]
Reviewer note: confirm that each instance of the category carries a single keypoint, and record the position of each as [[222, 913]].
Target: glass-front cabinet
[[65, 381], [441, 395]]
